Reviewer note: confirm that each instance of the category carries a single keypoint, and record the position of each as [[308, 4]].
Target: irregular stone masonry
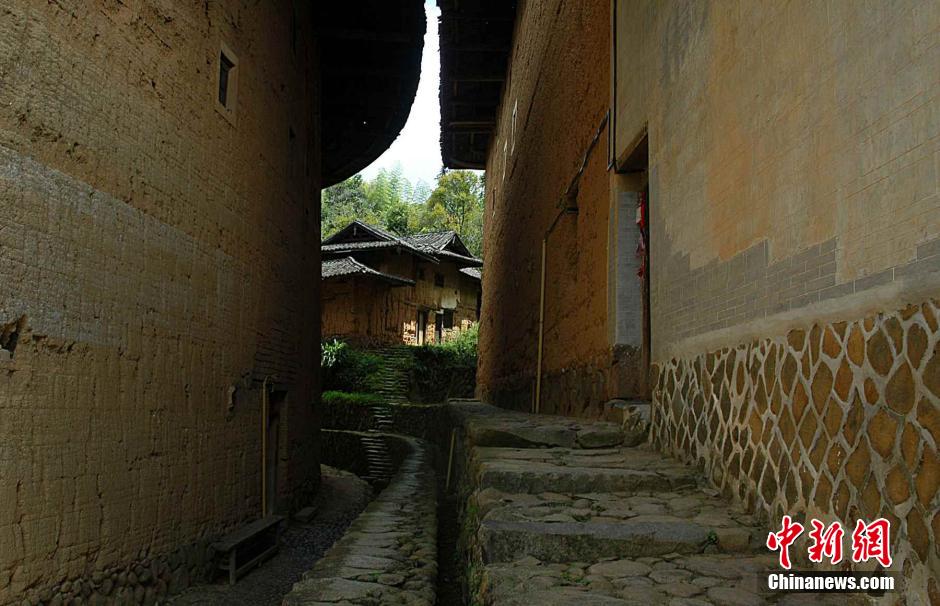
[[389, 554], [147, 580], [546, 524], [840, 421]]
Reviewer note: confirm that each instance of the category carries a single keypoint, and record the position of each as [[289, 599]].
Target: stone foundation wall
[[578, 391], [839, 421], [148, 580], [424, 421]]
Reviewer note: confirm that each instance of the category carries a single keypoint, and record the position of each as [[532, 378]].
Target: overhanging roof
[[472, 272], [476, 39], [360, 236], [433, 246], [348, 266], [370, 59]]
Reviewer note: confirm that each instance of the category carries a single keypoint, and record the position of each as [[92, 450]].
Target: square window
[[438, 279]]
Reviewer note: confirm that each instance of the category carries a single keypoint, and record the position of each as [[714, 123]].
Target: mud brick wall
[[555, 99], [154, 260], [840, 421]]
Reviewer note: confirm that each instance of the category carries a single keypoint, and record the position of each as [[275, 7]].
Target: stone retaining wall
[[343, 450], [148, 580], [389, 554], [424, 421], [840, 421]]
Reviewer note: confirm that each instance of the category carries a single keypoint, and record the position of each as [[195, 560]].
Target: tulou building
[[160, 174], [731, 209], [382, 289]]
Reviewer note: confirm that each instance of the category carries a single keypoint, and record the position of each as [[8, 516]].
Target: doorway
[[644, 227], [630, 276], [422, 330], [439, 328]]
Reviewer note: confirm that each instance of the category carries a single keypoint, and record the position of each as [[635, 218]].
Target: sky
[[417, 149]]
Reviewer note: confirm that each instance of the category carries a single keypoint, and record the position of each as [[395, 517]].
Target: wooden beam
[[366, 35], [477, 78], [472, 124], [361, 72]]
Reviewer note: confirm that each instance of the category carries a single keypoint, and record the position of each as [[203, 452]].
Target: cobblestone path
[[342, 496], [559, 513], [388, 556]]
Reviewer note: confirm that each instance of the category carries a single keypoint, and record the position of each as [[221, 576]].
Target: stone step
[[673, 579], [571, 471], [575, 505], [645, 536]]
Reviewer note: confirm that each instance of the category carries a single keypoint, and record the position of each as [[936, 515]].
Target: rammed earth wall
[[156, 260], [837, 422]]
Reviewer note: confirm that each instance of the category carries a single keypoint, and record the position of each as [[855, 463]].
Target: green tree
[[398, 218], [342, 203], [457, 203], [390, 201]]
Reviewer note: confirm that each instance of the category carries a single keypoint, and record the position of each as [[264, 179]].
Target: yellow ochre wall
[[154, 256], [794, 163]]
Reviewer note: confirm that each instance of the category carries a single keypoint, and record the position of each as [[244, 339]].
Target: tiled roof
[[347, 266], [473, 272], [435, 240], [431, 245]]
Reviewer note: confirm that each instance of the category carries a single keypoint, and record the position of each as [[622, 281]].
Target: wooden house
[[383, 289]]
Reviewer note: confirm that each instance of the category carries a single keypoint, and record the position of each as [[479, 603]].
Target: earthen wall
[[155, 256]]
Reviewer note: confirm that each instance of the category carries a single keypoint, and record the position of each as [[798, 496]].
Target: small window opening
[[420, 273], [438, 279], [226, 65]]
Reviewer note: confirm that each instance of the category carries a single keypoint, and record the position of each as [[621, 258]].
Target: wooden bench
[[249, 546]]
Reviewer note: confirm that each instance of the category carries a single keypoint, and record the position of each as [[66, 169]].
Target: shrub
[[447, 370], [330, 351], [463, 347], [350, 399], [346, 369]]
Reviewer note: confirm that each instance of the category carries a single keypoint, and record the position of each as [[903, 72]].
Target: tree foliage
[[392, 202]]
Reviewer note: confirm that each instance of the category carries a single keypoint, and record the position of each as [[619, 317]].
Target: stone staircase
[[378, 457], [560, 512], [393, 378], [393, 389]]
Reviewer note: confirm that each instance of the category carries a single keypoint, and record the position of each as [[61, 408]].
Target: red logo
[[869, 541], [828, 543], [872, 541], [782, 540]]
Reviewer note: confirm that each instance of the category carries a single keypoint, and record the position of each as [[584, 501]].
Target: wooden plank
[[239, 536], [241, 570]]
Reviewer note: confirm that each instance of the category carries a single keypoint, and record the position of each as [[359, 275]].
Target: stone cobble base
[[149, 580]]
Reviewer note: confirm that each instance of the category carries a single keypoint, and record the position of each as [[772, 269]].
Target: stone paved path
[[339, 501], [553, 521], [389, 554]]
